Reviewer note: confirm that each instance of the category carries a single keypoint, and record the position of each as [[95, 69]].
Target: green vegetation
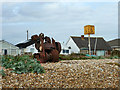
[[75, 56], [22, 64], [2, 73], [113, 57]]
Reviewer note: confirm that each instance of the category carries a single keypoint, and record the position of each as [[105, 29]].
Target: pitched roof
[[25, 44], [8, 43], [101, 43], [115, 42]]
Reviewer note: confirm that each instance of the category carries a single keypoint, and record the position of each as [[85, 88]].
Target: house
[[27, 46], [7, 48], [31, 49], [99, 46], [115, 44], [65, 50]]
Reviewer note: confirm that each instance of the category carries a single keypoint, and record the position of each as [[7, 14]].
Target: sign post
[[89, 44], [89, 29]]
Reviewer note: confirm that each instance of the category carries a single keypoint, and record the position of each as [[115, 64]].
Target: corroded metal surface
[[48, 50]]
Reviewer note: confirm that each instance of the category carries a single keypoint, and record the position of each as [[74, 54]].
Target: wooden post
[[95, 46], [89, 44]]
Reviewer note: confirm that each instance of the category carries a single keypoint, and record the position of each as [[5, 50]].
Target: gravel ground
[[68, 74]]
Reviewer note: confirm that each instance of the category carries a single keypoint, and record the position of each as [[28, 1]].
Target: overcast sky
[[58, 20]]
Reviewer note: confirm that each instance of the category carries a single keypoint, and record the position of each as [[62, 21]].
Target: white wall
[[100, 53], [64, 47], [31, 49], [11, 49], [74, 48]]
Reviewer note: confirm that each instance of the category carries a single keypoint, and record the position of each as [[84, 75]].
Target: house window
[[63, 51], [32, 50], [67, 51]]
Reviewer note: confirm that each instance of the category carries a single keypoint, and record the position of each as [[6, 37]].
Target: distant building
[[7, 48], [65, 50], [99, 46], [115, 44], [31, 49], [27, 46]]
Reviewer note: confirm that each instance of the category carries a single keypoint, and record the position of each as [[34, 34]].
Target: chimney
[[27, 34], [82, 37]]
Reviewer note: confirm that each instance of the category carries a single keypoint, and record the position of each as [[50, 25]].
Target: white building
[[30, 49], [65, 50], [27, 46], [7, 48], [99, 46], [115, 44]]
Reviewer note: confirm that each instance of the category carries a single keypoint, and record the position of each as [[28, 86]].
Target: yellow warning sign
[[89, 29]]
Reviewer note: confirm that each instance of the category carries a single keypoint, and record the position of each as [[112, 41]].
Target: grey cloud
[[59, 19], [47, 12]]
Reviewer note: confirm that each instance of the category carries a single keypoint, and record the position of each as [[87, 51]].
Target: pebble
[[68, 74]]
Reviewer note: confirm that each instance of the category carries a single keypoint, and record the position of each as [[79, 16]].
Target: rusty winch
[[48, 51]]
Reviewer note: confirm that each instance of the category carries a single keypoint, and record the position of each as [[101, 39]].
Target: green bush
[[73, 56], [77, 54], [22, 64], [100, 57], [93, 57], [2, 73], [113, 57]]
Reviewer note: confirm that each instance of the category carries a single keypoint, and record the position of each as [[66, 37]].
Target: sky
[[59, 20]]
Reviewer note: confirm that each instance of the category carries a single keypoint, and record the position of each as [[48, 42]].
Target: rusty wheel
[[58, 46], [55, 56]]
